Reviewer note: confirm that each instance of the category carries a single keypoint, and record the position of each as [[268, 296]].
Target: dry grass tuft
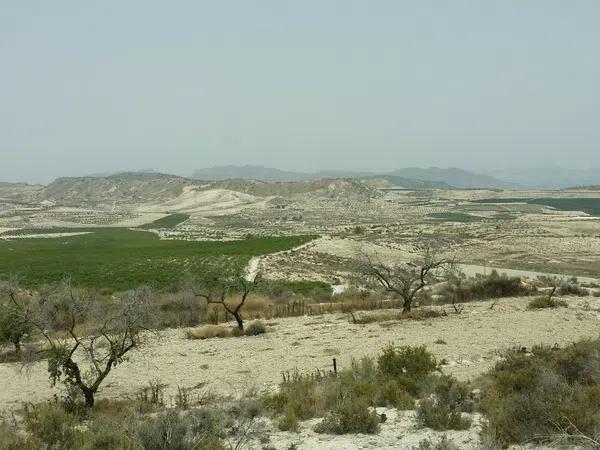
[[209, 331], [385, 316]]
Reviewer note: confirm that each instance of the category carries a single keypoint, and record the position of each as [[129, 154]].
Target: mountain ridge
[[413, 177]]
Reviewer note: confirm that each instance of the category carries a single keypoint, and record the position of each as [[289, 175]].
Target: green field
[[119, 258], [588, 205], [170, 221]]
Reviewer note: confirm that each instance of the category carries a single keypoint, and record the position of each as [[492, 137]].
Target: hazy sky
[[97, 86]]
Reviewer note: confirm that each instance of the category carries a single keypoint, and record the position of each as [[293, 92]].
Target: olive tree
[[406, 279], [14, 325], [85, 336]]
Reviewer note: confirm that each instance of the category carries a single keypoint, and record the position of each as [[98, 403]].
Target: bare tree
[[223, 287], [406, 279], [455, 280], [87, 337]]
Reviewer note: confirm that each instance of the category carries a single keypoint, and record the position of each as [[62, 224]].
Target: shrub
[[407, 365], [571, 287], [351, 415], [442, 409], [255, 328], [545, 302], [11, 439], [289, 421], [384, 316], [51, 426], [14, 326], [209, 331], [442, 443], [532, 397], [109, 435], [393, 393], [483, 287], [172, 430], [180, 310]]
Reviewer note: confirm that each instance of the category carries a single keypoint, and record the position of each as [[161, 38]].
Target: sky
[[102, 86]]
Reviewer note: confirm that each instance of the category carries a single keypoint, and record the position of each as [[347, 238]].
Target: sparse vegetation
[[383, 316], [219, 289], [546, 394], [461, 289], [349, 416], [255, 328], [442, 408], [14, 324], [442, 443], [408, 279], [545, 301], [397, 378], [112, 330], [209, 331]]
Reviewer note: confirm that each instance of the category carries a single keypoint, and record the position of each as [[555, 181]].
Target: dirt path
[[238, 364]]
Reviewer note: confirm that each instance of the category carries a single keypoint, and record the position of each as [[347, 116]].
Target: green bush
[[442, 408], [14, 326], [108, 435], [351, 415], [441, 444], [407, 365], [571, 287], [255, 328], [530, 397], [11, 439], [483, 287], [393, 393], [289, 421], [174, 430], [51, 426]]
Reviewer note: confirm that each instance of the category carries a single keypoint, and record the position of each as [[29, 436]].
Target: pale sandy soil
[[44, 235], [142, 219], [399, 431], [209, 202], [473, 269], [349, 248], [236, 365]]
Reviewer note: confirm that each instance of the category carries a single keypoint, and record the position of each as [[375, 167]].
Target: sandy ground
[[472, 270], [142, 219], [349, 248], [44, 235], [399, 431], [209, 202], [236, 365]]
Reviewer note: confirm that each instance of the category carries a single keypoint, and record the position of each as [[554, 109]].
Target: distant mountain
[[413, 178], [108, 174], [258, 173], [549, 177], [583, 188], [453, 176], [411, 183]]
